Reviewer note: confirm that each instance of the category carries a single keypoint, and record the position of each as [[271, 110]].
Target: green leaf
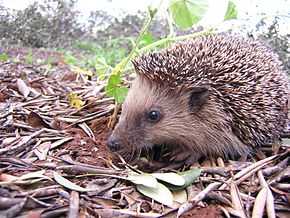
[[114, 80], [171, 178], [120, 94], [70, 59], [146, 39], [114, 88], [3, 57], [143, 179], [232, 12], [33, 175], [29, 57], [189, 177], [68, 184], [26, 179], [180, 196], [161, 193], [185, 13]]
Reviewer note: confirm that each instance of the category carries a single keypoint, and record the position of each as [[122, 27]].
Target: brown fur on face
[[205, 131]]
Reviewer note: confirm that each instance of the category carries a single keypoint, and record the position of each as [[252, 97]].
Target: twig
[[201, 195], [22, 143], [74, 204]]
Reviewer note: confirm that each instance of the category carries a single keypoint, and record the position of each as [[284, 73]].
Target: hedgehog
[[217, 95]]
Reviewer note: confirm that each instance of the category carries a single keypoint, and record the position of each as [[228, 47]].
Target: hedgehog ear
[[198, 96]]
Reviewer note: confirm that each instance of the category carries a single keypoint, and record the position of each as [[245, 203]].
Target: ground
[[55, 122]]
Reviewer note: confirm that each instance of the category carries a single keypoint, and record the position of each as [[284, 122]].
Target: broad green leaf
[[180, 196], [161, 193], [232, 12], [186, 13], [3, 57], [189, 176], [114, 88], [143, 179], [115, 79], [68, 184], [171, 178], [121, 93]]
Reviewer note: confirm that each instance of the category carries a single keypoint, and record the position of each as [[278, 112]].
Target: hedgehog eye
[[153, 116]]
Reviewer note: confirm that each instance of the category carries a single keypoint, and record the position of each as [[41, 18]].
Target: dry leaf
[[23, 88], [260, 203]]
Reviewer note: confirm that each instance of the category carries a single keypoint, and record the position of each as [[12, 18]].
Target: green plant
[[231, 12], [184, 14], [47, 23], [29, 57], [97, 57], [114, 86], [70, 59], [4, 57]]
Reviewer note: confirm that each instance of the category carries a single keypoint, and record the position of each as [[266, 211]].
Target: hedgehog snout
[[114, 143]]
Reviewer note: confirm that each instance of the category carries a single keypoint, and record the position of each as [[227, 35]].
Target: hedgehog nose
[[113, 144]]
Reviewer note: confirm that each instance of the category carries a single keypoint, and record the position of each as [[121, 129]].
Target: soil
[[86, 150], [211, 211]]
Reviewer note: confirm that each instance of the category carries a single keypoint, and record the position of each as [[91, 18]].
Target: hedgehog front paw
[[184, 156]]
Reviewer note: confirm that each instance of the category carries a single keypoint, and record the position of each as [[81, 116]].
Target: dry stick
[[277, 168], [23, 126], [14, 210], [91, 103], [283, 186], [248, 171], [39, 202], [91, 117], [189, 205], [6, 202], [87, 130], [113, 118], [33, 102], [22, 143], [126, 213], [85, 169], [225, 211], [74, 205], [56, 212]]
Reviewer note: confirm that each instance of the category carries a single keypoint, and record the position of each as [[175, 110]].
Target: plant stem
[[173, 39], [121, 66]]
